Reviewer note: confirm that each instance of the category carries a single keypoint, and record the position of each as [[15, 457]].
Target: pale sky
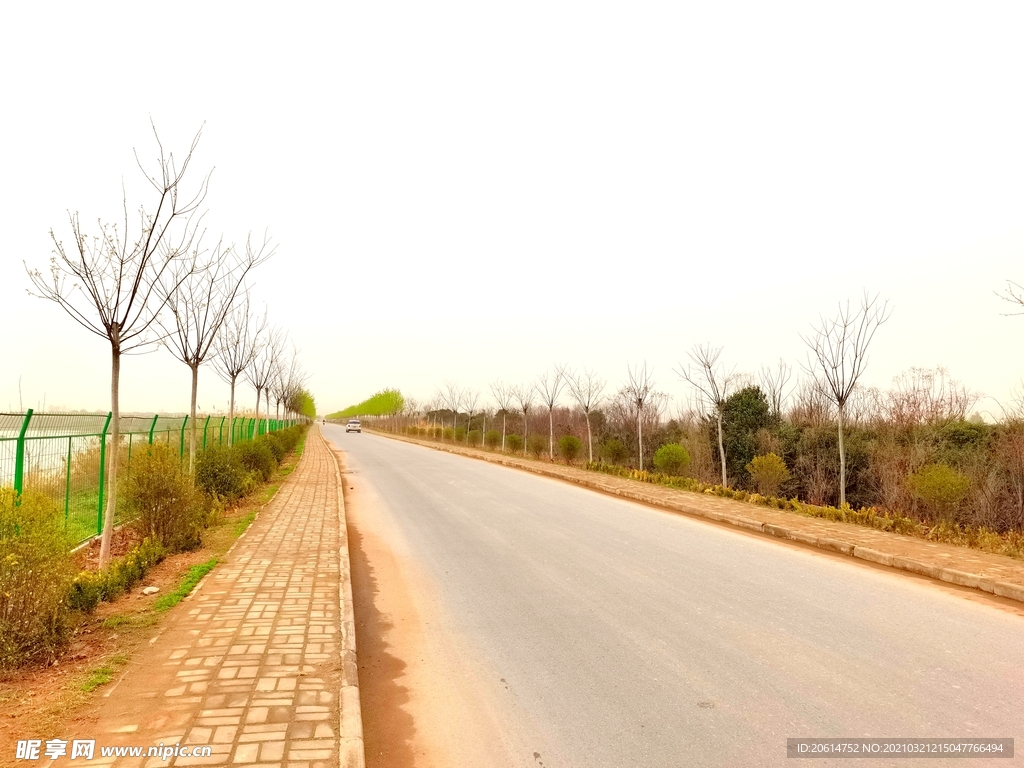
[[473, 191]]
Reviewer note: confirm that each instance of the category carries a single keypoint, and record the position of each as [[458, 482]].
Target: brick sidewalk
[[252, 663], [995, 574]]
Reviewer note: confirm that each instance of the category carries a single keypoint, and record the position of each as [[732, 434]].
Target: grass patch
[[103, 675], [244, 523], [267, 494], [188, 583], [129, 620]]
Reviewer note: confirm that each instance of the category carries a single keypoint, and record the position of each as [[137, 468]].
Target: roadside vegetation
[[69, 627], [916, 458]]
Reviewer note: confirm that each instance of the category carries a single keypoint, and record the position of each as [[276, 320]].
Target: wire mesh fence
[[64, 456]]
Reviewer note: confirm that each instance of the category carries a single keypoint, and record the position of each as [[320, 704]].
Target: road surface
[[522, 621]]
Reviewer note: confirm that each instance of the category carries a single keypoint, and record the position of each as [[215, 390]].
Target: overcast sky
[[473, 191]]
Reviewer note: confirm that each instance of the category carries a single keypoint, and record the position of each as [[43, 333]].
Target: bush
[[569, 448], [614, 451], [220, 473], [459, 435], [940, 487], [161, 498], [514, 443], [474, 437], [536, 445], [672, 459], [256, 457], [492, 439], [89, 587], [447, 433], [35, 576], [768, 473], [275, 442]]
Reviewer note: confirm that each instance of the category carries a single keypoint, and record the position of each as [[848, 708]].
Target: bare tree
[[107, 281], [236, 348], [549, 387], [1014, 295], [198, 303], [524, 397], [586, 389], [838, 356], [261, 371], [774, 383], [470, 397], [453, 397], [712, 383], [504, 397], [637, 391]]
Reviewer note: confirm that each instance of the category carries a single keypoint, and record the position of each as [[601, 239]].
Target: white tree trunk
[[721, 450], [192, 435], [231, 413], [551, 434], [842, 461], [640, 437], [112, 460], [590, 438]]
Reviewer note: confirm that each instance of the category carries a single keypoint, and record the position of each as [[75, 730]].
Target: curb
[[936, 572], [352, 753]]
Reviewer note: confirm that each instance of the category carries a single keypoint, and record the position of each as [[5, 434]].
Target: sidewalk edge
[[351, 750]]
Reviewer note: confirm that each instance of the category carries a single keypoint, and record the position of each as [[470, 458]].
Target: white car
[[354, 426]]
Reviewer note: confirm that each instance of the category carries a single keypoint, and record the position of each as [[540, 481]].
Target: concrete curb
[[352, 753], [937, 572]]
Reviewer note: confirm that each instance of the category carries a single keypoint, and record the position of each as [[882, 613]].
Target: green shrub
[[569, 448], [256, 457], [220, 473], [474, 437], [614, 451], [35, 576], [768, 473], [275, 442], [448, 433], [290, 437], [672, 459], [90, 587], [460, 435], [493, 438], [162, 500], [536, 445], [514, 443], [940, 487]]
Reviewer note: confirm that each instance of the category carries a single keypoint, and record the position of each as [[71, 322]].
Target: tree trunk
[[721, 449], [192, 415], [259, 392], [266, 397], [503, 417], [551, 434], [590, 437], [112, 461], [231, 412], [842, 461], [640, 438]]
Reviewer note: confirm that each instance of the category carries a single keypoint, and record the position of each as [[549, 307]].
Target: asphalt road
[[606, 633]]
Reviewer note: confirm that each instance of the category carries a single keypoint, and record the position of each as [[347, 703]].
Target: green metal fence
[[65, 455]]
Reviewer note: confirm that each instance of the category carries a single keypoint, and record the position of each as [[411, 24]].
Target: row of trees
[[823, 437], [150, 279]]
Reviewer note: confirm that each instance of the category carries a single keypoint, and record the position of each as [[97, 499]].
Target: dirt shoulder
[[996, 575]]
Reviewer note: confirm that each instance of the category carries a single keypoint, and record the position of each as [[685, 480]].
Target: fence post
[[220, 433], [152, 427], [67, 485], [206, 426], [19, 455], [103, 474], [181, 446]]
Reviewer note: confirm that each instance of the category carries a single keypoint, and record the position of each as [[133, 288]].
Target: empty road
[[521, 621]]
